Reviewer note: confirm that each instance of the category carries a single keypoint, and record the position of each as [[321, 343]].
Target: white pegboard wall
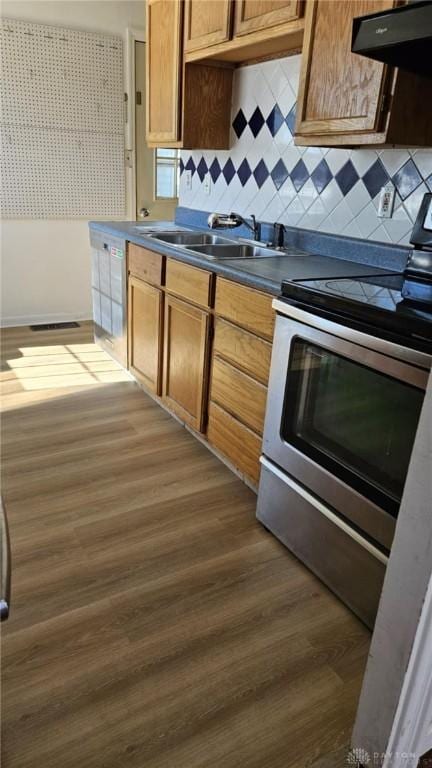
[[61, 129]]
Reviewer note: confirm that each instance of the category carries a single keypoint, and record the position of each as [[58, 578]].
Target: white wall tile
[[354, 214]]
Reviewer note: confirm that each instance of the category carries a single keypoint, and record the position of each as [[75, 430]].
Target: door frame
[[133, 35]]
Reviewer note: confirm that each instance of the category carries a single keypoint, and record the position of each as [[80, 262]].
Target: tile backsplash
[[331, 190]]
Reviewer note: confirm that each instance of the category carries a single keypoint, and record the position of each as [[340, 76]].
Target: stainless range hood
[[401, 37]]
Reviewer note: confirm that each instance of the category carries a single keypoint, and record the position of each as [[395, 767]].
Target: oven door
[[341, 420]]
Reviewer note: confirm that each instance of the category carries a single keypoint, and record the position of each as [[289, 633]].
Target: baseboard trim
[[61, 317]]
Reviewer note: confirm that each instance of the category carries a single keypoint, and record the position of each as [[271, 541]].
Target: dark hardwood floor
[[154, 622]]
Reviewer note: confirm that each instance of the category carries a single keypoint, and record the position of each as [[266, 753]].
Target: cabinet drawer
[[189, 282], [147, 265], [240, 395], [235, 441], [245, 306], [243, 349]]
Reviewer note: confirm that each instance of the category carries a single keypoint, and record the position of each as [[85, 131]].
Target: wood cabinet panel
[[189, 282], [207, 22], [253, 15], [235, 441], [145, 264], [339, 92], [145, 317], [243, 350], [164, 47], [246, 307], [186, 349], [238, 394]]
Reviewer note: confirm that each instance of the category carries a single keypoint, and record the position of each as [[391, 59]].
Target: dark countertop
[[264, 274]]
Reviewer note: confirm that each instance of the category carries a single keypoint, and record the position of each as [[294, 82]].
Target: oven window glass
[[358, 423]]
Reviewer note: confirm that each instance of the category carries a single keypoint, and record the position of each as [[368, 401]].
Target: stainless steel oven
[[342, 414]]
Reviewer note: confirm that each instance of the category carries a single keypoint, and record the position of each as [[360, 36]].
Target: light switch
[[188, 180]]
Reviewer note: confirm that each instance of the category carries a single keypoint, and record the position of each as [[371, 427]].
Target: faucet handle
[[278, 234]]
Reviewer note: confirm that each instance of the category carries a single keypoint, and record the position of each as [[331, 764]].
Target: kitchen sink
[[233, 251], [190, 238]]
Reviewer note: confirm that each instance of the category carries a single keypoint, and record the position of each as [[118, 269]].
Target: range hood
[[401, 37]]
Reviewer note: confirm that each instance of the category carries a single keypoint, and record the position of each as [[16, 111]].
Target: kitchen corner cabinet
[[186, 103], [347, 99]]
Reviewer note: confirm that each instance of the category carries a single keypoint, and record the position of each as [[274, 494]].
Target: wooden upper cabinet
[[164, 61], [340, 92], [254, 15], [207, 22], [348, 99]]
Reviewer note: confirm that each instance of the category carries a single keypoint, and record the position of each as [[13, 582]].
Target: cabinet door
[[186, 360], [340, 92], [164, 35], [253, 15], [145, 333], [207, 22]]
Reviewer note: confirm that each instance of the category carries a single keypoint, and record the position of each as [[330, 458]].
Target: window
[[167, 173]]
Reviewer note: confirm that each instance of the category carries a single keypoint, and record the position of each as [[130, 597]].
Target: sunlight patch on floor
[[62, 366]]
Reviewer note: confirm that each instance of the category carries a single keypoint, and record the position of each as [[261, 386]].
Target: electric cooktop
[[399, 304], [376, 301]]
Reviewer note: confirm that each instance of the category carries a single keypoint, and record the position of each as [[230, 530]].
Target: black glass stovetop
[[375, 301]]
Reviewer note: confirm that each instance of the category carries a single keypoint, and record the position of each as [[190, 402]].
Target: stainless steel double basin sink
[[214, 246]]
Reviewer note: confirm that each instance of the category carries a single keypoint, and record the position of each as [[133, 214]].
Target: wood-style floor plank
[[154, 622]]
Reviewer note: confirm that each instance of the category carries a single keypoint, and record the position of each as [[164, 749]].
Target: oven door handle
[[331, 516], [5, 566]]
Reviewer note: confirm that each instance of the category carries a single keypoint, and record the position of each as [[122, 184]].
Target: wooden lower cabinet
[[246, 307], [239, 394], [145, 321], [186, 352], [235, 441]]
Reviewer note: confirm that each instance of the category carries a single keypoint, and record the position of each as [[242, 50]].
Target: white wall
[[46, 264]]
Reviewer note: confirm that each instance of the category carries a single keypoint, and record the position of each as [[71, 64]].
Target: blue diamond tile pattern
[[347, 177], [244, 172], [275, 120], [261, 173], [290, 119], [190, 166], [272, 160], [229, 171], [239, 123], [299, 175], [321, 176], [375, 177], [407, 179], [279, 174], [256, 122], [202, 169], [215, 170]]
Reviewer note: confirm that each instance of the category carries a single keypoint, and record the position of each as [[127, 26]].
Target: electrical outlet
[[386, 201], [207, 184], [188, 180]]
